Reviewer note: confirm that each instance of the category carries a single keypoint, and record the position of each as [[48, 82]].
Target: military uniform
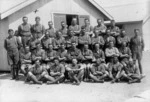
[[109, 39], [70, 39], [51, 32], [75, 28], [58, 42], [38, 30], [115, 31], [120, 40], [98, 40], [99, 55], [24, 30], [38, 54], [46, 41], [84, 39], [64, 31], [101, 29]]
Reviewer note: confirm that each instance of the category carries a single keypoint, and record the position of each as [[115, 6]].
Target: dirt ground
[[18, 91]]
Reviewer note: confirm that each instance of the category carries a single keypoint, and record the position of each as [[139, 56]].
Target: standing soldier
[[137, 46], [71, 38], [100, 27], [24, 30], [51, 29], [38, 29], [88, 27], [63, 29], [12, 44], [122, 38], [115, 31], [75, 27]]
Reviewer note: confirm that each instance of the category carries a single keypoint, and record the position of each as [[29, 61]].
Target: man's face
[[50, 24], [74, 61], [63, 24], [97, 46], [37, 20], [63, 47], [83, 30], [37, 63], [74, 21], [113, 23], [98, 61], [71, 33], [50, 47], [124, 44], [99, 22], [123, 33], [86, 47], [56, 61], [136, 32], [73, 45], [59, 34], [108, 32], [38, 46], [111, 44], [25, 20], [115, 59], [27, 49], [11, 33], [87, 22]]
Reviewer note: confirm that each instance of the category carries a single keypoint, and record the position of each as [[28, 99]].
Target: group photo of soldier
[[74, 53]]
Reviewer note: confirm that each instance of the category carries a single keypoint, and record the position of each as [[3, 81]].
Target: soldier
[[74, 53], [38, 73], [97, 39], [62, 54], [12, 45], [75, 71], [133, 72], [87, 59], [88, 27], [115, 31], [51, 29], [125, 54], [25, 60], [63, 29], [58, 40], [115, 69], [46, 41], [38, 29], [57, 72], [98, 71], [98, 53], [108, 38], [50, 55], [24, 30], [83, 38], [100, 27], [122, 38], [137, 46], [75, 27], [38, 53], [111, 52], [71, 38]]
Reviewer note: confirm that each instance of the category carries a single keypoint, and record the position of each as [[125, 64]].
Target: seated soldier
[[38, 73], [59, 39], [132, 71], [74, 53], [75, 71], [38, 53], [62, 54], [111, 52], [25, 58], [115, 70], [108, 38], [97, 39], [98, 71], [98, 53], [50, 55], [125, 54], [46, 41], [57, 71], [71, 38], [87, 60]]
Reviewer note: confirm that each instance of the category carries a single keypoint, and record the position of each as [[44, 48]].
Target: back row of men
[[75, 53]]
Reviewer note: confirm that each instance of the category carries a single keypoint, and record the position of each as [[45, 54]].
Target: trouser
[[25, 40]]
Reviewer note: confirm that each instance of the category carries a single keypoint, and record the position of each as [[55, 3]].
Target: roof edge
[[16, 8], [101, 9]]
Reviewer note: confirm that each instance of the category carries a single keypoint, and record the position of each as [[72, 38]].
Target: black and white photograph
[[74, 50]]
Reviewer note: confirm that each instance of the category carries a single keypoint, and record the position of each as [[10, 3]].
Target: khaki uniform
[[45, 42]]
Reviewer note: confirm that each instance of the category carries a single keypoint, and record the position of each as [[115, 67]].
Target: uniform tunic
[[123, 51], [57, 68], [38, 30], [75, 28], [70, 40], [38, 53], [99, 68], [101, 28], [99, 55], [120, 40], [46, 41], [98, 40], [59, 41], [11, 44], [51, 32]]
